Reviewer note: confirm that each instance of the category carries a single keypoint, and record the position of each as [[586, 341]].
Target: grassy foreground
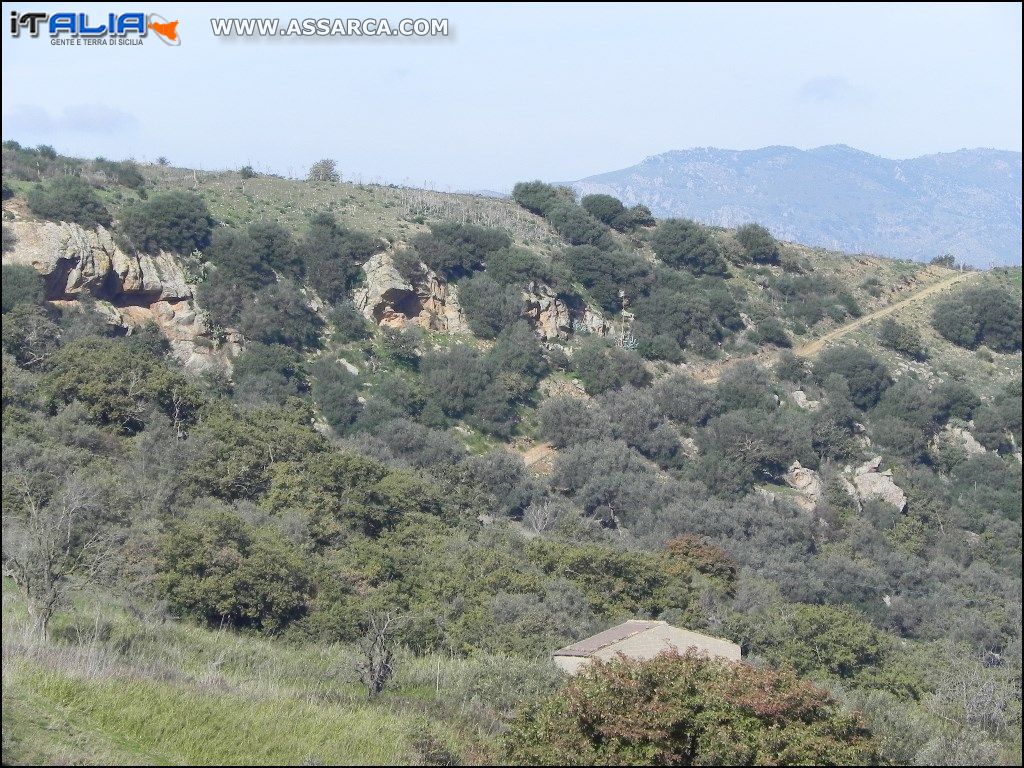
[[112, 688], [53, 717]]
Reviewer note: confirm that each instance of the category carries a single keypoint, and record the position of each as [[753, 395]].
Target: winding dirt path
[[539, 457], [812, 348], [713, 372]]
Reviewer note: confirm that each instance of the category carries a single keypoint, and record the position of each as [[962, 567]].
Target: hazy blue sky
[[519, 91]]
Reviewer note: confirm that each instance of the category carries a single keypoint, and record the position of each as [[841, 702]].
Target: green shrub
[[982, 315], [602, 367], [172, 221], [489, 306], [866, 376], [536, 196], [685, 244], [758, 244], [606, 273], [333, 256], [902, 338], [455, 250], [280, 314], [276, 248], [575, 225], [126, 173], [21, 285], [68, 198], [220, 570], [118, 383], [336, 392]]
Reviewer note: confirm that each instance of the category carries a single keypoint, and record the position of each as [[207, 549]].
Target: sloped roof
[[601, 640]]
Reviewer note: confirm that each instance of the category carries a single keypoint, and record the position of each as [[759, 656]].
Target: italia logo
[[120, 26]]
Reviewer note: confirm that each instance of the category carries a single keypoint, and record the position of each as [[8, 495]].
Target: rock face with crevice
[[131, 289], [874, 485], [807, 483], [75, 261], [390, 299]]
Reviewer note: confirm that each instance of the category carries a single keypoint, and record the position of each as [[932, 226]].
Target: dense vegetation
[[351, 492]]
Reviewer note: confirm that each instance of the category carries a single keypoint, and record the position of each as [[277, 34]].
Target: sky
[[556, 92]]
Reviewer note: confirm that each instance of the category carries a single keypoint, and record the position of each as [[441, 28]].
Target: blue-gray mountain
[[967, 203]]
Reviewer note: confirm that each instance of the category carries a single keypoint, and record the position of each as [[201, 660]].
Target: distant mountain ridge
[[967, 202]]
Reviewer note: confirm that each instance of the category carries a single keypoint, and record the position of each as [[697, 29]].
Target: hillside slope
[[327, 471], [967, 203]]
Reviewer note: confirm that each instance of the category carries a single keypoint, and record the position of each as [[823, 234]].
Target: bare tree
[[539, 517], [51, 532], [377, 666], [324, 170]]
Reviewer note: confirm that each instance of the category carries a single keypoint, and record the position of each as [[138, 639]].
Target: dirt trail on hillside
[[539, 458], [814, 347], [712, 373]]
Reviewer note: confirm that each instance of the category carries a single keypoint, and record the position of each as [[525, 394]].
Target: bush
[[758, 244], [240, 259], [220, 570], [983, 315], [334, 255], [489, 306], [602, 367], [566, 421], [746, 385], [118, 383], [697, 314], [636, 420], [172, 221], [455, 250], [267, 373], [222, 295], [901, 338], [21, 285], [517, 266], [123, 172], [454, 378], [280, 314], [741, 448], [685, 400], [336, 392], [536, 196], [866, 376], [324, 170], [349, 323], [68, 198], [247, 172], [686, 710], [771, 331], [606, 273], [276, 248], [575, 225], [609, 210], [685, 244], [518, 359]]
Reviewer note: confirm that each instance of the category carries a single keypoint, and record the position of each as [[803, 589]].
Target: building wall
[[649, 644], [571, 664]]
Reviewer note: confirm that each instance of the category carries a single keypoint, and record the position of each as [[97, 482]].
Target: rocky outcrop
[[802, 401], [871, 484], [807, 483], [957, 438], [75, 261], [131, 289], [388, 298], [192, 342], [550, 315]]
